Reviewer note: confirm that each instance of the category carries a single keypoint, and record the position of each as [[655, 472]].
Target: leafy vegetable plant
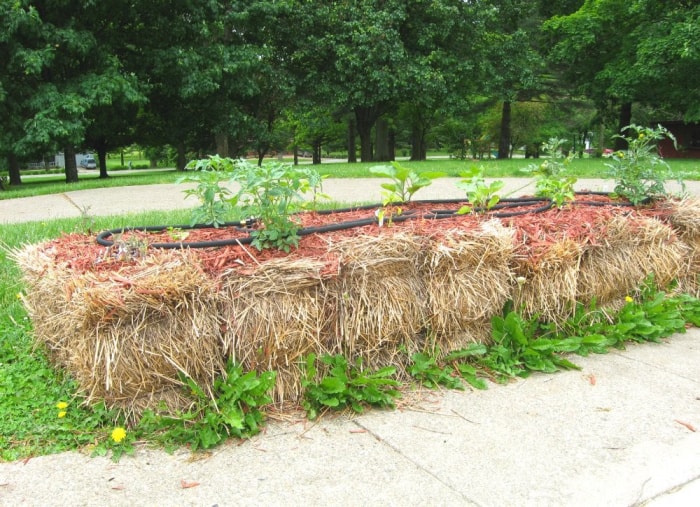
[[346, 385], [639, 171], [214, 207], [271, 193], [483, 196], [551, 180], [405, 181]]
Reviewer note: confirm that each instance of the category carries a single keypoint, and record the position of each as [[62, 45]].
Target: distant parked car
[[88, 163]]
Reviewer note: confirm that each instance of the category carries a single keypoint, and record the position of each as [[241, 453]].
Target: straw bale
[[275, 316], [127, 334], [468, 279], [629, 249], [684, 216], [379, 297], [548, 286]]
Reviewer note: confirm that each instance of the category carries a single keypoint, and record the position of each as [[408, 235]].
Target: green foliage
[[214, 208], [518, 350], [233, 409], [483, 196], [270, 193], [639, 172], [405, 181], [551, 180], [346, 385], [448, 372], [522, 346], [425, 369]]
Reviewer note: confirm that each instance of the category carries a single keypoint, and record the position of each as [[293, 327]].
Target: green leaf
[[333, 385], [331, 402]]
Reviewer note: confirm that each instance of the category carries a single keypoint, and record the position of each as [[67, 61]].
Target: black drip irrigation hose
[[500, 210]]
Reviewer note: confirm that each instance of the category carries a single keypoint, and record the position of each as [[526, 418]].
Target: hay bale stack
[[48, 289], [379, 297], [468, 280], [684, 216], [126, 336], [274, 316], [548, 280], [628, 250]]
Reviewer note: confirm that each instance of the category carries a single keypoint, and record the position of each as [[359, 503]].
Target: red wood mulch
[[581, 222]]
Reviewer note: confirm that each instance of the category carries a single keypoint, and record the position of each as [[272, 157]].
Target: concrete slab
[[687, 495], [611, 434], [331, 463]]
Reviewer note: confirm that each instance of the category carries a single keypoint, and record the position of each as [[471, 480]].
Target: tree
[[511, 64], [54, 52], [353, 58], [622, 52], [443, 41], [16, 68]]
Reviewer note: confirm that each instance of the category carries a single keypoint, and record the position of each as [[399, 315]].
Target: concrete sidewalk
[[618, 432]]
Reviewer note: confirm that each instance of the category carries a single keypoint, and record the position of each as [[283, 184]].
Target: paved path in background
[[123, 200], [619, 432]]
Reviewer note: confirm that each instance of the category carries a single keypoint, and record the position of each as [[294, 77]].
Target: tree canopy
[[243, 76]]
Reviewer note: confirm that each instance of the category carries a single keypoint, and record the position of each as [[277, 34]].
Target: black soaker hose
[[504, 204]]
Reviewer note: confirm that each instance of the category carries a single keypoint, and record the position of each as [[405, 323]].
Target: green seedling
[[405, 181], [482, 196]]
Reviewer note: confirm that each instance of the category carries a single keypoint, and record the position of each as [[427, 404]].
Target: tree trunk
[[504, 137], [221, 140], [352, 134], [71, 167], [181, 157], [419, 150], [13, 163], [625, 120], [102, 162], [392, 144], [101, 149], [121, 153], [381, 143], [366, 117], [316, 152]]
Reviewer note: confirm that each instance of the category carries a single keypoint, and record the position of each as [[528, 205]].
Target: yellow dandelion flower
[[628, 299], [61, 405], [118, 434], [19, 295], [62, 414]]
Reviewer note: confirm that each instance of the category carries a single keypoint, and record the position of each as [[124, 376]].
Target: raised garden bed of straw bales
[[127, 320]]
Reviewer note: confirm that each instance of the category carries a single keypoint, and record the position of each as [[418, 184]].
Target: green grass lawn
[[581, 168]]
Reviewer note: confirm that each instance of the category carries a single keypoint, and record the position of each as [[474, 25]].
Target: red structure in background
[[687, 137]]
